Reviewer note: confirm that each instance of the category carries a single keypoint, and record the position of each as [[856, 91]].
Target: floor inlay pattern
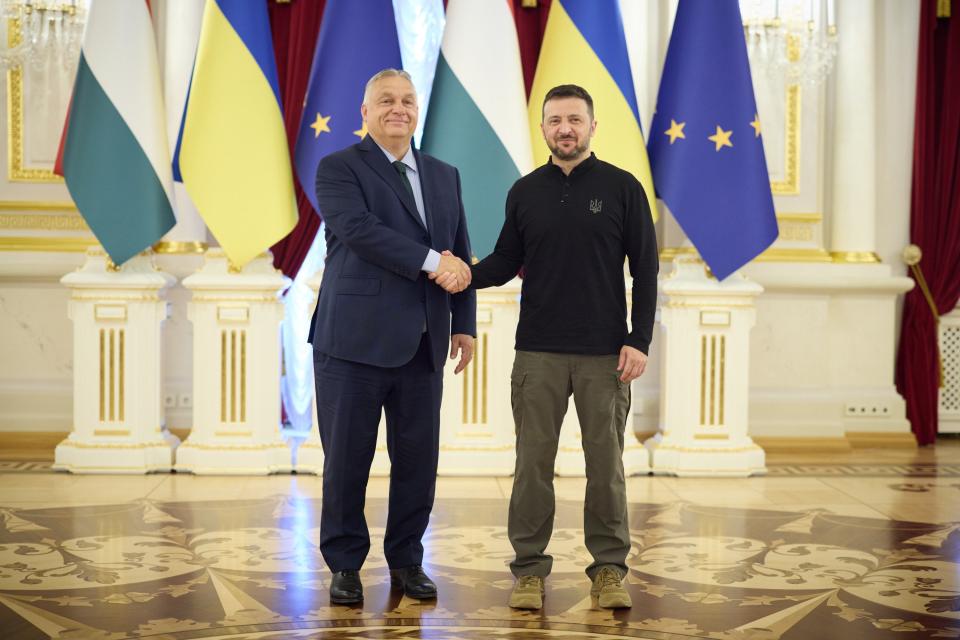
[[931, 470], [250, 569], [866, 470]]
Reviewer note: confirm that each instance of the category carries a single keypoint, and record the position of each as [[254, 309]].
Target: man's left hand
[[462, 345], [632, 363]]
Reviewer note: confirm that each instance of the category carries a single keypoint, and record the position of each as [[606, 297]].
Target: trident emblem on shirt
[[595, 206]]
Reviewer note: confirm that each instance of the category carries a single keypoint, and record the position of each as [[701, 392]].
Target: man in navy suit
[[393, 216]]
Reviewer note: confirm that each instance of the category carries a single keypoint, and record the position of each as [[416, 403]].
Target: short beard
[[578, 151]]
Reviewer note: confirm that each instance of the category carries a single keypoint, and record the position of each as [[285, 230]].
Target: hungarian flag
[[477, 118], [114, 155]]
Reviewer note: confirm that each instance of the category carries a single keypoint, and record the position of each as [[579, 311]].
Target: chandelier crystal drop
[[38, 32]]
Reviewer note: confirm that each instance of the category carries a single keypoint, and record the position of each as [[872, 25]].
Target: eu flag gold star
[[320, 125], [721, 138], [361, 132], [756, 125], [676, 130]]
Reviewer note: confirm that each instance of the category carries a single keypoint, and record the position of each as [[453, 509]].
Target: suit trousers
[[350, 397], [541, 385]]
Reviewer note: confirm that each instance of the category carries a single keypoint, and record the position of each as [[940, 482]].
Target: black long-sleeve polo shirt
[[571, 234]]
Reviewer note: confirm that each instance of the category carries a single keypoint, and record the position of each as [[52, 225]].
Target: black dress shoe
[[346, 588], [414, 582]]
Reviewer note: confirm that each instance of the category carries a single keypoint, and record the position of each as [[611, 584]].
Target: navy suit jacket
[[374, 300]]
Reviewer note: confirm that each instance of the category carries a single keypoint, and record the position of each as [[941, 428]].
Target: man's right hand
[[453, 274]]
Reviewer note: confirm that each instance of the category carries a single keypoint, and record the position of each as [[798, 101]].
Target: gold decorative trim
[[223, 376], [800, 217], [119, 445], [43, 222], [233, 296], [16, 171], [706, 301], [243, 376], [723, 374], [770, 255], [229, 447], [713, 379], [465, 413], [113, 397], [711, 436], [103, 384], [46, 244], [233, 376], [790, 185], [180, 247], [36, 205], [794, 255], [476, 384], [470, 435], [483, 366], [455, 447], [855, 257], [672, 447], [122, 374], [80, 294], [703, 379], [111, 432]]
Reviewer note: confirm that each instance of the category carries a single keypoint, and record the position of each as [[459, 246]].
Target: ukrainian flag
[[233, 154], [584, 44]]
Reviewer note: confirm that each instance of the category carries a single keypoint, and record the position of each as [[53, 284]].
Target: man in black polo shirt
[[570, 224]]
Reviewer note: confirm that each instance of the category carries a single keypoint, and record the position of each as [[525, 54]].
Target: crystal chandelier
[[38, 32], [797, 43]]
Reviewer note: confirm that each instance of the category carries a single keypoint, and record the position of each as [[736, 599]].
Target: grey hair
[[380, 75]]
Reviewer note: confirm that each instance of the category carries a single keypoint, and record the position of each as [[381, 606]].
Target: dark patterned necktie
[[402, 170]]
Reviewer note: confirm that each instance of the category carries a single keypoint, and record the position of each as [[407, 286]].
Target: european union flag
[[706, 150], [331, 113]]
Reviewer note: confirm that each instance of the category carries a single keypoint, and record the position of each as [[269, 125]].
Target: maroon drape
[[295, 26], [934, 213], [531, 23]]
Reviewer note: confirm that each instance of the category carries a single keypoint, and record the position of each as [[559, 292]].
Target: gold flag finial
[[943, 8], [911, 257]]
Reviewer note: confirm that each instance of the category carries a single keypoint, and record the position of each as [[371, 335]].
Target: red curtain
[[531, 23], [295, 26], [934, 213]]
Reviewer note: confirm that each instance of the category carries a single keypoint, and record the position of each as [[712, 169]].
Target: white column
[[181, 31], [236, 319], [476, 419], [704, 386], [310, 452], [853, 218], [117, 410]]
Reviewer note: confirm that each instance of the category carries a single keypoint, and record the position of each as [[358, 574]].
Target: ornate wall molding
[[16, 169]]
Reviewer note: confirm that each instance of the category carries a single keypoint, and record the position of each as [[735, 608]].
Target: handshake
[[453, 274]]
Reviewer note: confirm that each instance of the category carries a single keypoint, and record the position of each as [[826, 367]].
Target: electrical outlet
[[185, 400], [169, 400], [867, 410]]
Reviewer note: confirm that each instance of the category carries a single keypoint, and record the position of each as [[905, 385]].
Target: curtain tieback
[[912, 256]]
